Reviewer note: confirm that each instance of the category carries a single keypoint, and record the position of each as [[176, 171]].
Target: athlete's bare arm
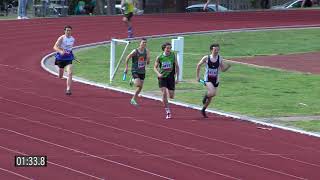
[[127, 60], [155, 68], [148, 56], [57, 45], [201, 62], [224, 66]]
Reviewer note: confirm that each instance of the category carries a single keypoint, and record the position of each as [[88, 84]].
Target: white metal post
[[180, 57], [178, 46], [112, 58]]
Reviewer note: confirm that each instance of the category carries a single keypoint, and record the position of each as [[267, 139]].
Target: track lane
[[28, 59]]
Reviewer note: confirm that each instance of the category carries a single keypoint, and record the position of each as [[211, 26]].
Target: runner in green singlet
[[167, 69], [140, 58]]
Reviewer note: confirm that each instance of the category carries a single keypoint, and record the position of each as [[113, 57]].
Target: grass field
[[10, 17], [312, 125], [245, 90]]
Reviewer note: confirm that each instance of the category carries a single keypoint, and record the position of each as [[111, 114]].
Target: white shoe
[[168, 116], [19, 17], [25, 17]]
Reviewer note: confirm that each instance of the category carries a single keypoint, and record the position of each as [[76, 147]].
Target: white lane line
[[84, 153], [16, 68], [240, 117], [173, 155], [150, 123], [17, 174], [156, 139], [250, 119], [226, 142], [72, 132], [212, 139], [55, 164], [266, 67], [122, 146]]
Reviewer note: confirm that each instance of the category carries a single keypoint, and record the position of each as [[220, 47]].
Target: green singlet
[[167, 64], [139, 62]]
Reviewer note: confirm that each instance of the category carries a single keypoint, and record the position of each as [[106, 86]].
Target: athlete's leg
[[170, 91], [165, 102], [60, 68], [61, 71], [130, 30], [171, 87], [127, 19], [139, 84], [211, 92], [164, 97], [129, 24], [69, 78], [171, 94]]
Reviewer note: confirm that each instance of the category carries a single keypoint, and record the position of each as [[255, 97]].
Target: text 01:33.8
[[30, 161]]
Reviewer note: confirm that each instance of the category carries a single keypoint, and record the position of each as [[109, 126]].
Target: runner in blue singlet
[[213, 64], [64, 55]]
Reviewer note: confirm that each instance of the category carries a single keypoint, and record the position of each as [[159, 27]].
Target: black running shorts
[[214, 82], [129, 16], [137, 75], [168, 82], [62, 64]]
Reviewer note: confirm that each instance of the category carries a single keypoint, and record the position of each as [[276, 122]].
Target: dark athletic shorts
[[129, 16], [168, 82], [137, 75], [214, 82], [62, 64]]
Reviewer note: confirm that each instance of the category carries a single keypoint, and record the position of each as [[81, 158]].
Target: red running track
[[90, 136]]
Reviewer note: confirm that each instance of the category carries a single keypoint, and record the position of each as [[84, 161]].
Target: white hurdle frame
[[113, 69], [178, 46]]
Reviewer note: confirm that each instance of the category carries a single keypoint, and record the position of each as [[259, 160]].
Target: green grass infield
[[245, 90]]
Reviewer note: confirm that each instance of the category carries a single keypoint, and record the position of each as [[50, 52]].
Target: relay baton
[[124, 77], [201, 81]]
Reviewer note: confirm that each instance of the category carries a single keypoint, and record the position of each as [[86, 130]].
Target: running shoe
[[203, 112], [133, 102], [168, 116], [68, 92]]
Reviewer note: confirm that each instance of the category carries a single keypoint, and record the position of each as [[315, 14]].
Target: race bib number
[[212, 72], [141, 63], [166, 66]]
